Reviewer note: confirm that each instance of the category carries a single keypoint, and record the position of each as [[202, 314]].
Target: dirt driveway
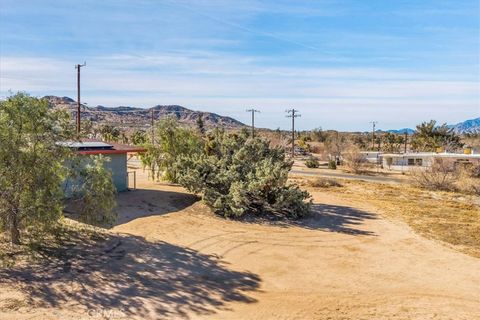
[[173, 259]]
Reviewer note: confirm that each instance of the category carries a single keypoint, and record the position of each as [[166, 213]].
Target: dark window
[[411, 162], [418, 162]]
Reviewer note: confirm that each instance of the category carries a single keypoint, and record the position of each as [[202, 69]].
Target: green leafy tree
[[87, 128], [171, 142], [139, 137], [110, 133], [93, 195], [363, 141], [31, 169], [33, 166], [239, 175], [428, 137], [392, 142]]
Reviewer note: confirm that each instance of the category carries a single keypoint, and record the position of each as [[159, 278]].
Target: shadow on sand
[[335, 218], [325, 217], [133, 277], [145, 202]]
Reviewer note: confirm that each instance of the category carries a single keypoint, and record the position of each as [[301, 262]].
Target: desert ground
[[169, 257]]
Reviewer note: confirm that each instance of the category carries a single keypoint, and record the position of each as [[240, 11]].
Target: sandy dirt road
[[173, 259]]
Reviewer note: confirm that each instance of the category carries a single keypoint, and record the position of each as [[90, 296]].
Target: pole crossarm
[[253, 111]]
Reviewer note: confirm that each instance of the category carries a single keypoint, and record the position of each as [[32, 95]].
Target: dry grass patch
[[451, 217], [323, 183]]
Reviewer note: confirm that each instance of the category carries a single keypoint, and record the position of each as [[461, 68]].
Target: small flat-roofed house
[[116, 153], [408, 161]]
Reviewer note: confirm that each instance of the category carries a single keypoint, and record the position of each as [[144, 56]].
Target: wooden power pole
[[253, 120], [292, 113], [373, 134], [153, 129], [78, 66]]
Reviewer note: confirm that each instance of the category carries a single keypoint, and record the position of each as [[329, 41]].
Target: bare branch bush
[[442, 175], [353, 159]]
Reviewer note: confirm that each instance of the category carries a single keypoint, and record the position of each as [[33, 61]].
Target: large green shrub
[[237, 175]]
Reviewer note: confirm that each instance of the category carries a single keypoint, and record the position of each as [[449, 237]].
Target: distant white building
[[408, 161], [372, 156]]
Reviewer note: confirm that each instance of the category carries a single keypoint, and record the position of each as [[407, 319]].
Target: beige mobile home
[[407, 161]]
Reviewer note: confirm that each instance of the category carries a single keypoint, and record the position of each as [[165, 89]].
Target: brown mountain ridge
[[125, 115]]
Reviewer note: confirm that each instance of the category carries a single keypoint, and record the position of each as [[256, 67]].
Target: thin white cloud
[[217, 84], [214, 76]]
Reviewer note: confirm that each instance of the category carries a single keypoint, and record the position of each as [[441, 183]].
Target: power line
[[253, 111], [292, 113], [78, 66]]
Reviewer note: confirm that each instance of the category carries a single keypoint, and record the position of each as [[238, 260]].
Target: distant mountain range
[[123, 115], [468, 126], [402, 131]]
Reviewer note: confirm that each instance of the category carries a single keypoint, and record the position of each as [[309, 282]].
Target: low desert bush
[[444, 175], [332, 164], [440, 176], [312, 162], [324, 183]]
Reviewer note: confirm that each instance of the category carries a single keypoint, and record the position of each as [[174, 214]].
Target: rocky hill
[[468, 126], [142, 117]]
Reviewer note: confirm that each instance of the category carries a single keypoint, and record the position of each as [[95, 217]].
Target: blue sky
[[342, 63]]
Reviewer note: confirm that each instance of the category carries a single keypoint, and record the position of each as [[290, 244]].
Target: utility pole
[[405, 141], [373, 134], [253, 120], [153, 128], [292, 113], [78, 66]]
